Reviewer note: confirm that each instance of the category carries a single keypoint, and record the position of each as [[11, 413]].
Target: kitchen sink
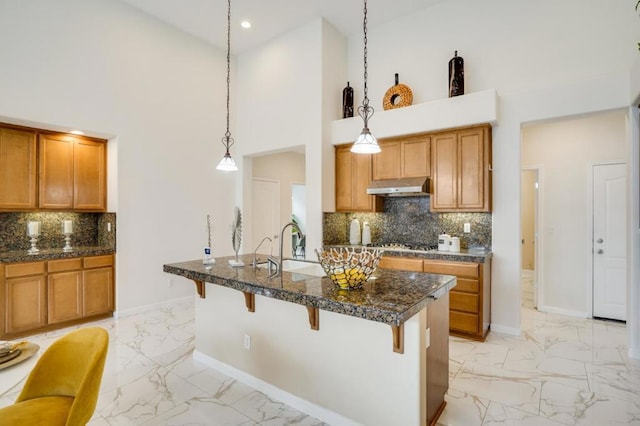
[[313, 269]]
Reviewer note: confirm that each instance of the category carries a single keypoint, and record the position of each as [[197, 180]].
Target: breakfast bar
[[374, 355]]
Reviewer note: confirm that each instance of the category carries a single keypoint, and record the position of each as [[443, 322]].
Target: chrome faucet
[[255, 252], [271, 260]]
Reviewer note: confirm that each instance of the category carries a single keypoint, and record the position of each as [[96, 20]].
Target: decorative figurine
[[398, 96], [347, 101], [456, 75], [236, 237]]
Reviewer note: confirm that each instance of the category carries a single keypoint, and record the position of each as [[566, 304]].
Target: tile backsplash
[[408, 220], [89, 229]]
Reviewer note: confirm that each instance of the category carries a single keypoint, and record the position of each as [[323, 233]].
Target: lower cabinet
[[470, 299], [39, 296]]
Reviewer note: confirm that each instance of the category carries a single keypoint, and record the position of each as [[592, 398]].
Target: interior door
[[609, 241], [265, 214]]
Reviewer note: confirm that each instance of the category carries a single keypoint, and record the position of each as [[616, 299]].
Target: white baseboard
[[321, 413], [146, 308], [505, 330], [567, 312]]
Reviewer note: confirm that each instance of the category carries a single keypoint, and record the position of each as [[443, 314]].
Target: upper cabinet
[[18, 169], [72, 173], [403, 157], [353, 175], [461, 175], [50, 171]]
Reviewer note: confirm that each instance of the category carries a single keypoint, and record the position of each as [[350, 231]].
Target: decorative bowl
[[5, 347], [347, 268]]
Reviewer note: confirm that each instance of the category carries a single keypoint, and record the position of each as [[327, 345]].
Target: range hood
[[403, 187]]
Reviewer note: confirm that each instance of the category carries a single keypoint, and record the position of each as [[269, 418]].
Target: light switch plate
[[467, 228]]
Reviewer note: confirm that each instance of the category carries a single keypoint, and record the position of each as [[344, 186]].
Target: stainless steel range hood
[[405, 187]]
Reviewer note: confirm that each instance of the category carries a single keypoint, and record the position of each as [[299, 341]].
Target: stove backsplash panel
[[407, 220]]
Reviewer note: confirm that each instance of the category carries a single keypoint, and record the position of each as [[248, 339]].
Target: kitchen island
[[350, 357]]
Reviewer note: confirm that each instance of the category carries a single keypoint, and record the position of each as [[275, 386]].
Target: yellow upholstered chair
[[62, 389]]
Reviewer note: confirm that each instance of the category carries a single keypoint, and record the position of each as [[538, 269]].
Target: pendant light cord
[[365, 111], [228, 140]]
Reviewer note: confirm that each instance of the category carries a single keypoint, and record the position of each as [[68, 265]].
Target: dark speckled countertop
[[390, 296], [461, 256], [50, 254]]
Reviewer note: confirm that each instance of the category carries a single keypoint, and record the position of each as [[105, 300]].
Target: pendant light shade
[[366, 142], [227, 164]]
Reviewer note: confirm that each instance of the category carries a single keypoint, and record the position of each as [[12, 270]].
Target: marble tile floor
[[561, 370]]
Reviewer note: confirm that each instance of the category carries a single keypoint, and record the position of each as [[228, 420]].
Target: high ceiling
[[207, 19]]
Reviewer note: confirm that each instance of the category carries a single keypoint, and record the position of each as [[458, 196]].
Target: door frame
[[538, 222], [590, 280]]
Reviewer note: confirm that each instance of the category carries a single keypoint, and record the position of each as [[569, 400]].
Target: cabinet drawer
[[460, 269], [98, 261], [462, 321], [64, 265], [23, 269], [403, 263], [464, 302], [466, 284]]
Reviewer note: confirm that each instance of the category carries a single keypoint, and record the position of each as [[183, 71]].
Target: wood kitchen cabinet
[[353, 175], [461, 174], [408, 156], [23, 288], [72, 173], [470, 299], [18, 169], [40, 296]]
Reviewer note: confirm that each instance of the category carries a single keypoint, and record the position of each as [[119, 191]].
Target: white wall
[[108, 69], [281, 104], [565, 152]]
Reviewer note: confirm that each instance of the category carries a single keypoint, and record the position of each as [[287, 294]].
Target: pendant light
[[366, 142], [227, 164]]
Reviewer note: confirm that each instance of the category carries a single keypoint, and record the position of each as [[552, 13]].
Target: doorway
[[265, 213], [609, 254], [529, 237]]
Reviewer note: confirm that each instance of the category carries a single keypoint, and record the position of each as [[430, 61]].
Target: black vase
[[456, 75], [347, 101]]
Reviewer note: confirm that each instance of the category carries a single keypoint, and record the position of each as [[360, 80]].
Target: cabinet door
[[444, 155], [387, 163], [65, 296], [89, 175], [471, 168], [26, 307], [17, 169], [97, 287], [56, 172], [344, 187], [416, 157], [361, 180]]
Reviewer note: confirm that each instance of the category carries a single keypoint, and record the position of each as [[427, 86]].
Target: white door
[[265, 214], [610, 241]]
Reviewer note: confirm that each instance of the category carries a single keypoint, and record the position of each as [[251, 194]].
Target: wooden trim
[[200, 288], [398, 338], [250, 301], [441, 408], [314, 317]]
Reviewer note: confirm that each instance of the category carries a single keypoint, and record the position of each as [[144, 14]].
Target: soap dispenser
[[354, 232], [366, 234]]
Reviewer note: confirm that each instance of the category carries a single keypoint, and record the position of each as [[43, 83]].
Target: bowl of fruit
[[349, 268]]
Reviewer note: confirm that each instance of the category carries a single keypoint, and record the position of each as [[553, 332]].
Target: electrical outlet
[[247, 342], [108, 226], [467, 228]]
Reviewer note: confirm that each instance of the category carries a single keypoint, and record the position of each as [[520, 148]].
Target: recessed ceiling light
[[77, 132], [245, 24]]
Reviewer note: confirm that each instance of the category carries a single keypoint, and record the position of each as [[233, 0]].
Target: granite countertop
[[463, 256], [390, 296], [50, 254]]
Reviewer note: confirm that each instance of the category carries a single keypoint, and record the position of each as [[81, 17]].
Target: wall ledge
[[459, 111]]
